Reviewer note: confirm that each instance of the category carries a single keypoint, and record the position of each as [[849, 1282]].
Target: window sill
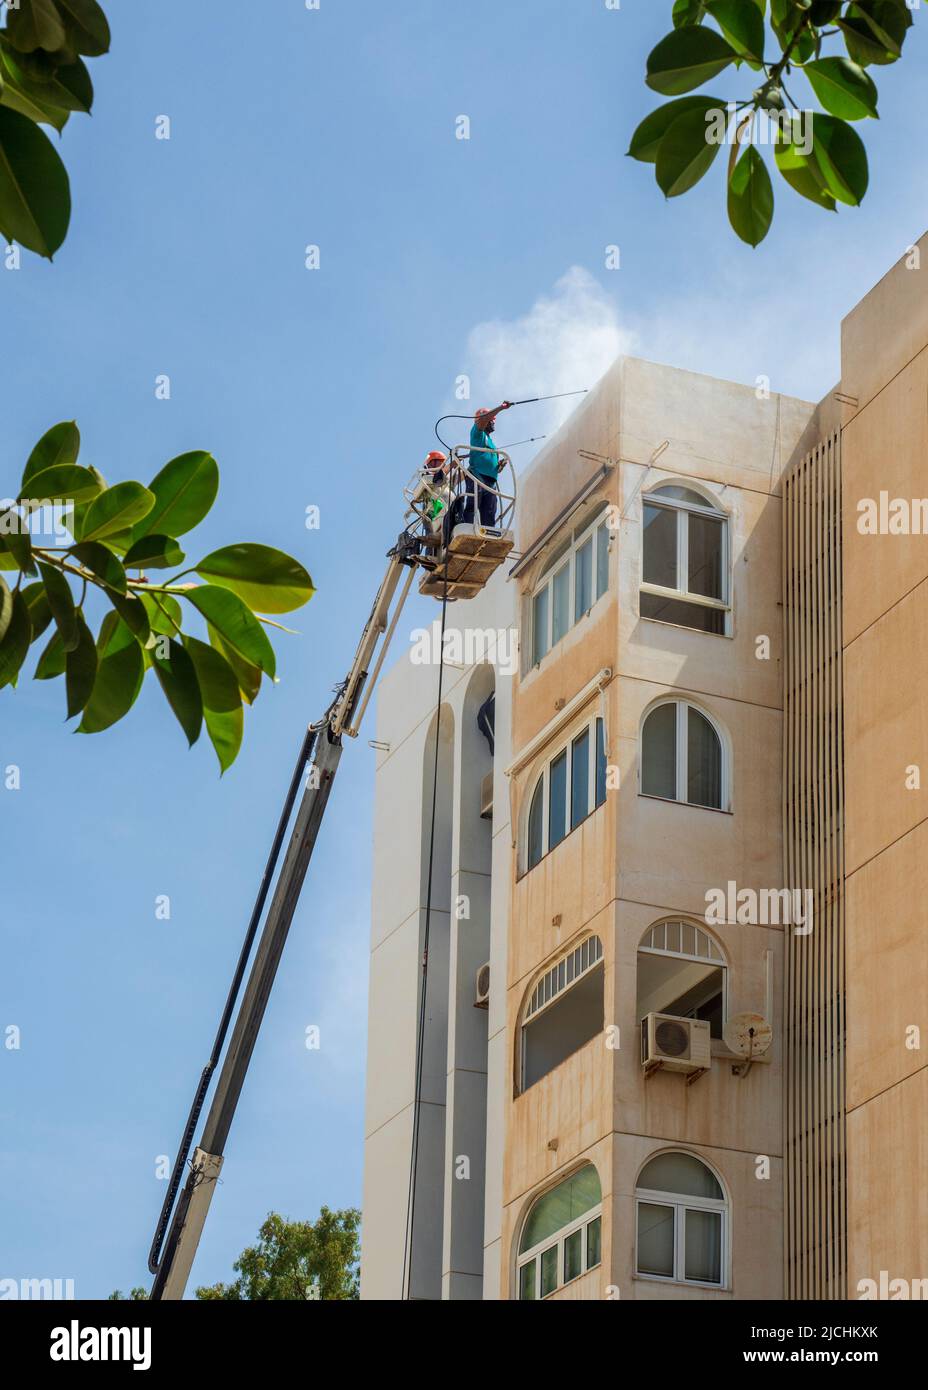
[[687, 805]]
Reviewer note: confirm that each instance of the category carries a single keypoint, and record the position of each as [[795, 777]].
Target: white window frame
[[559, 1239], [682, 755], [718, 960], [683, 595], [569, 558], [680, 1205], [588, 726]]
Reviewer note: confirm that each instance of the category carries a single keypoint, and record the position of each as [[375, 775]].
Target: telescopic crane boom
[[457, 560]]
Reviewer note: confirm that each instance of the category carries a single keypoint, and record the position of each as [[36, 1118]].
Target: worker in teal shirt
[[485, 465]]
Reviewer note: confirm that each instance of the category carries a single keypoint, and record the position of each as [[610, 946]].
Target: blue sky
[[438, 257]]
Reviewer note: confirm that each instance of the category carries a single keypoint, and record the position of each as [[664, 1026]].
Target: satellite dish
[[748, 1035]]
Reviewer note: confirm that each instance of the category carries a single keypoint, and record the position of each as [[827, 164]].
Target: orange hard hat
[[435, 459]]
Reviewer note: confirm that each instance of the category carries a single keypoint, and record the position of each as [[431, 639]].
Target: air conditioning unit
[[482, 988], [486, 797], [676, 1044]]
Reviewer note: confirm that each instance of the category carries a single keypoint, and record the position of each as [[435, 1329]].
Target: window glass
[[573, 1255], [580, 779], [705, 555], [681, 494], [594, 1236], [703, 1246], [660, 546], [583, 579], [561, 591], [659, 753], [535, 826], [681, 1174], [655, 1239], [600, 762], [681, 613], [563, 1204], [527, 1279], [557, 801], [540, 624], [602, 559], [549, 1271], [704, 762]]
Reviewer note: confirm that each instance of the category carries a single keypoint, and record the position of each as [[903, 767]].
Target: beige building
[[687, 847]]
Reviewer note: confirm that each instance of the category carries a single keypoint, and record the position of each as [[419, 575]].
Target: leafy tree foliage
[[112, 544], [682, 138], [133, 1296], [43, 79], [298, 1260]]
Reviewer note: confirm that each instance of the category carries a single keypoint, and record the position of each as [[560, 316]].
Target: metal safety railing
[[431, 494]]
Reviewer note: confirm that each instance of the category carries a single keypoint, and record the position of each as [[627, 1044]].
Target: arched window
[[571, 787], [682, 972], [573, 579], [682, 1221], [684, 559], [562, 1235], [683, 756], [565, 1010]]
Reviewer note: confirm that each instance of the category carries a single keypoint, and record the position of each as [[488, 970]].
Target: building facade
[[683, 837]]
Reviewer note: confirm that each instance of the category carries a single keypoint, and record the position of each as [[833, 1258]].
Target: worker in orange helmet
[[483, 463]]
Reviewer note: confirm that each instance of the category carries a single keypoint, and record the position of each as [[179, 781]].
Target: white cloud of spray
[[571, 335], [565, 342]]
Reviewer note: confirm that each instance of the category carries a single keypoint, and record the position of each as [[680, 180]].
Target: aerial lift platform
[[453, 559]]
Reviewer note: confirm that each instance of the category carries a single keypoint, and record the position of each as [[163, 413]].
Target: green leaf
[[646, 140], [687, 12], [178, 679], [18, 99], [80, 668], [843, 88], [248, 676], [750, 197], [118, 680], [6, 607], [164, 613], [52, 661], [35, 195], [874, 32], [40, 612], [16, 641], [61, 602], [840, 159], [686, 59], [116, 509], [184, 490], [62, 482], [87, 26], [236, 625], [222, 702], [36, 24], [801, 176], [16, 541], [101, 562], [267, 579], [59, 445], [65, 86], [154, 553], [685, 155], [133, 613], [742, 24]]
